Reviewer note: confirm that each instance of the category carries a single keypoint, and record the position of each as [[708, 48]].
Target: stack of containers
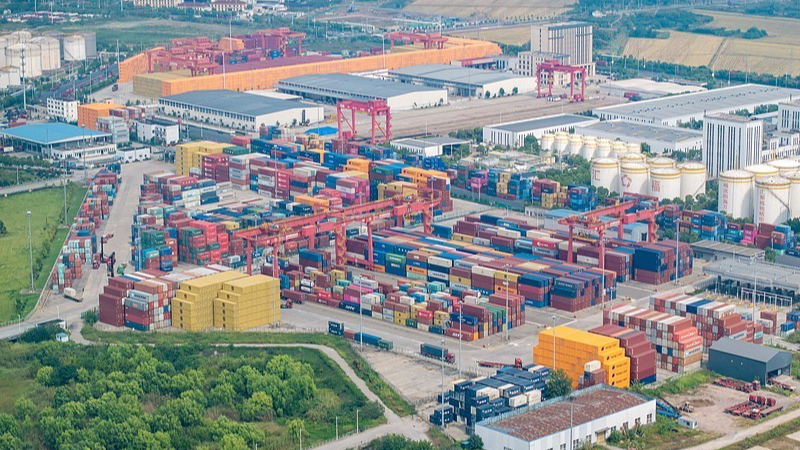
[[318, 259], [572, 349], [147, 305], [713, 320], [641, 353], [239, 170], [247, 302], [112, 300], [216, 167], [678, 345], [655, 263], [193, 304]]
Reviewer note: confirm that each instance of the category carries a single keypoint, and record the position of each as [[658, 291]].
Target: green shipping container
[[385, 345], [411, 323]]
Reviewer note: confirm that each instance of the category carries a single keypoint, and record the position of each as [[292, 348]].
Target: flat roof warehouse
[[544, 122], [51, 133], [232, 102], [643, 131], [349, 86], [454, 74]]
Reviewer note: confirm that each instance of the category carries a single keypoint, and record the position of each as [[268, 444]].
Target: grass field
[[47, 206], [682, 48], [497, 9], [779, 30], [509, 35]]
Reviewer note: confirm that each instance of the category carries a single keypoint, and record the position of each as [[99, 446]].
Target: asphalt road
[[95, 77]]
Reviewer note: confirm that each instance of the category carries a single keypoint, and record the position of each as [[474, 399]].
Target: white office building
[[62, 110], [571, 38], [134, 154], [588, 417], [529, 61], [789, 116], [156, 131], [731, 142]]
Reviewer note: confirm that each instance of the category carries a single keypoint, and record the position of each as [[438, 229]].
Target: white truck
[[72, 294]]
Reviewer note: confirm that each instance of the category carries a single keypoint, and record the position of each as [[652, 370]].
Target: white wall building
[[10, 76], [62, 110], [594, 412], [429, 146], [646, 89], [465, 81], [571, 38], [513, 134], [789, 116], [731, 142], [661, 139], [133, 154], [116, 127], [529, 61], [238, 110], [156, 131]]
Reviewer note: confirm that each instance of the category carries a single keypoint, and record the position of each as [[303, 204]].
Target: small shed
[[747, 361], [62, 337]]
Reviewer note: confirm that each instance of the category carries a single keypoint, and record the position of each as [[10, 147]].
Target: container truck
[[72, 294], [436, 352]]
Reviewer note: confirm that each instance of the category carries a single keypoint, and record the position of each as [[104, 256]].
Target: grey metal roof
[[644, 131], [235, 102], [344, 84], [559, 120], [455, 74], [713, 101], [430, 141], [748, 350], [764, 274], [738, 250]]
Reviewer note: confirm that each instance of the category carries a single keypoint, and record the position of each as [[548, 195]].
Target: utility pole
[[24, 84], [508, 286], [30, 248], [554, 341], [356, 421], [360, 318], [442, 361]]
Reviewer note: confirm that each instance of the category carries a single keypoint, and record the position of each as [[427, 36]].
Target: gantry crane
[[278, 233], [591, 221], [429, 40], [375, 109], [551, 67]]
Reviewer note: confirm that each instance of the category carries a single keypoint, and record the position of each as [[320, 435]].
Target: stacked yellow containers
[[502, 182], [506, 282], [193, 305], [337, 275], [420, 177], [190, 155], [390, 190], [574, 348], [441, 318], [357, 164], [247, 303]]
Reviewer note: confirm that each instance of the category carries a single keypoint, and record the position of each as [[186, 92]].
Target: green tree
[[295, 427], [770, 255], [324, 406], [474, 443], [222, 394], [24, 409], [258, 407], [3, 229], [233, 442], [559, 384], [531, 145]]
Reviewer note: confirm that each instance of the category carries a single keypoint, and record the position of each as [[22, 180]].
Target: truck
[[115, 88], [436, 352], [72, 294]]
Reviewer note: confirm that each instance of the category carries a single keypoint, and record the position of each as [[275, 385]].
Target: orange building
[[90, 112], [403, 56]]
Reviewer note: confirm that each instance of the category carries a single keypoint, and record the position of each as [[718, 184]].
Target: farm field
[[47, 206], [496, 9], [509, 35], [779, 30], [681, 48]]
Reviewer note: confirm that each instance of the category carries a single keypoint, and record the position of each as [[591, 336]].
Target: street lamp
[[442, 361], [30, 248], [360, 321], [555, 318], [508, 285]]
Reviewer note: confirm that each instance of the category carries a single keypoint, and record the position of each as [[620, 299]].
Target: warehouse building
[[238, 110], [747, 361], [593, 412], [775, 285], [429, 146], [60, 141], [646, 89], [465, 81], [513, 134], [717, 251], [660, 139], [678, 109], [330, 88]]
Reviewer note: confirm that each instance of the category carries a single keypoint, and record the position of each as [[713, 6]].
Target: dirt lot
[[496, 9], [709, 403]]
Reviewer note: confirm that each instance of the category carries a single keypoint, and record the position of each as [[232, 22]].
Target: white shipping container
[[518, 401]]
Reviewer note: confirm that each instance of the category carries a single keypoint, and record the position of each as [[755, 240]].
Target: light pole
[[65, 197], [508, 285], [30, 248], [58, 312], [677, 251], [442, 361], [356, 421], [337, 428], [19, 323], [554, 341], [461, 335], [571, 439], [360, 321]]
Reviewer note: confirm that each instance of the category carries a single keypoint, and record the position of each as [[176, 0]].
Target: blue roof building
[[59, 141]]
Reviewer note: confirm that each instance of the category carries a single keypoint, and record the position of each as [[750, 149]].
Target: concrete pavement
[[745, 433]]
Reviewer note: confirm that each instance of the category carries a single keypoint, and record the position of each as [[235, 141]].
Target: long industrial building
[[659, 138], [238, 110], [60, 141], [678, 109], [410, 55], [513, 134], [333, 87], [465, 81]]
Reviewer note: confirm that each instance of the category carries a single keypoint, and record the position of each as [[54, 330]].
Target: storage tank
[[771, 200], [736, 193], [762, 170], [665, 183], [74, 48], [90, 41], [618, 148], [561, 142], [633, 178], [589, 147], [575, 144], [603, 148], [660, 162], [31, 55], [51, 52], [632, 157], [605, 173], [794, 194], [633, 147], [785, 166], [693, 179], [546, 143], [9, 76]]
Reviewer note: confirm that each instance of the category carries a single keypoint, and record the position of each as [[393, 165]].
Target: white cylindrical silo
[[546, 143], [632, 157], [575, 144], [760, 171], [27, 57], [618, 148], [693, 179], [74, 48], [633, 147], [561, 142], [660, 162], [794, 194], [665, 183], [589, 147], [50, 51], [633, 178], [603, 148], [771, 200], [605, 173], [736, 193], [785, 166]]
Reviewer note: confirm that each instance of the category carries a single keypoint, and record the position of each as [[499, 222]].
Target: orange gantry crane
[[592, 221], [429, 40], [278, 233]]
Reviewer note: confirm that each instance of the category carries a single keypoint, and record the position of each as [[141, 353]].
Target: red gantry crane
[[375, 108], [278, 233], [551, 67], [620, 217], [429, 40]]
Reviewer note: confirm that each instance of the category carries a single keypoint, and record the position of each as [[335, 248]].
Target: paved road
[[76, 176]]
